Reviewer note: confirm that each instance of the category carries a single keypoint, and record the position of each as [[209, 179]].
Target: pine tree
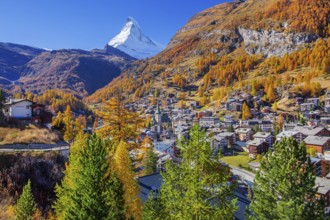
[[26, 206], [68, 184], [98, 192], [152, 208], [284, 188], [150, 162], [2, 99], [246, 113], [122, 164], [197, 188]]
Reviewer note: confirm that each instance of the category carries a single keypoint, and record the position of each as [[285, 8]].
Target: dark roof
[[148, 183], [15, 101]]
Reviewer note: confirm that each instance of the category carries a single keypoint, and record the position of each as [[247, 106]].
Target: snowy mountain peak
[[132, 41]]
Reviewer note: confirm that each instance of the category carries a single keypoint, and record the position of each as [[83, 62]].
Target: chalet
[[256, 147], [294, 134], [315, 101], [235, 106], [306, 107], [230, 136], [228, 121], [266, 126], [219, 143], [323, 190], [229, 101], [320, 144], [244, 134], [264, 136], [207, 122], [18, 109], [40, 115], [312, 131]]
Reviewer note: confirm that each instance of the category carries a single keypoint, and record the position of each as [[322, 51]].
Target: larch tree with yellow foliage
[[119, 123], [130, 186], [246, 113]]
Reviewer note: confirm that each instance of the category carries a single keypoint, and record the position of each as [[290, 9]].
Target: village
[[238, 143], [243, 141]]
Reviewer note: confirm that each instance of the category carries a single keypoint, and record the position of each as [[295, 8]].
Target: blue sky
[[88, 24]]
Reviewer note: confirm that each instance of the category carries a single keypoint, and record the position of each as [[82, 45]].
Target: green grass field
[[240, 160]]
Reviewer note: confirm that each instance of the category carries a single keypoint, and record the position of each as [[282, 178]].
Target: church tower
[[158, 114]]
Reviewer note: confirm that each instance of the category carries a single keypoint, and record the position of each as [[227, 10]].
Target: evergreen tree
[[97, 191], [150, 162], [152, 209], [246, 113], [230, 128], [284, 188], [26, 206], [2, 98], [122, 164], [68, 184], [197, 188]]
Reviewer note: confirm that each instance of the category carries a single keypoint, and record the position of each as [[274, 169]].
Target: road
[[61, 146]]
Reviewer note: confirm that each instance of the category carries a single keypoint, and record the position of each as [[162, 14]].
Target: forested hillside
[[250, 45]]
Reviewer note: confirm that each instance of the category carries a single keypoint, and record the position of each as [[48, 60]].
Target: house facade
[[244, 134], [256, 147], [264, 136], [18, 109], [320, 144]]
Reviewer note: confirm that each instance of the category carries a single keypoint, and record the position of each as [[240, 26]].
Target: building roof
[[287, 134], [261, 135], [323, 185], [148, 183], [226, 134], [255, 142], [219, 138], [164, 145], [316, 140], [243, 130], [308, 131], [15, 101]]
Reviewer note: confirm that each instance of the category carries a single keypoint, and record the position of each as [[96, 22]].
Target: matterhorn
[[132, 41]]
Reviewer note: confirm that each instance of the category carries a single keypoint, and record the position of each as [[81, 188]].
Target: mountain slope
[[233, 45], [132, 41], [78, 71], [12, 58], [24, 68]]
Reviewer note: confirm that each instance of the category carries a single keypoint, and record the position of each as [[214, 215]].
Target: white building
[[18, 108], [264, 136]]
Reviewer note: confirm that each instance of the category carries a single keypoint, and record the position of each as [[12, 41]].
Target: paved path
[[61, 146], [245, 176]]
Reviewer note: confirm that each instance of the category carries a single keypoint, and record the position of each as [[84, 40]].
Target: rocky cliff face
[[270, 42]]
